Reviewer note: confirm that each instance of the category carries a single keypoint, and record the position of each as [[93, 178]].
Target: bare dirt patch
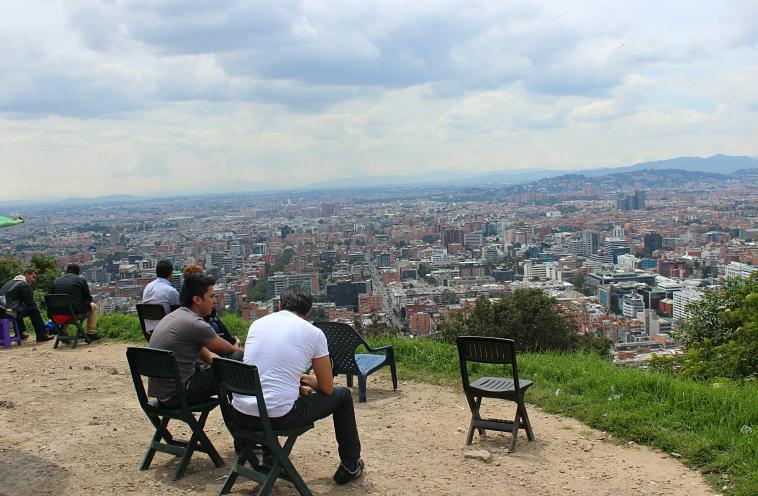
[[75, 427]]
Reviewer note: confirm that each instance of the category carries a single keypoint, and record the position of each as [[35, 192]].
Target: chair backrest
[[240, 378], [59, 304], [342, 340], [154, 364], [149, 311], [486, 350]]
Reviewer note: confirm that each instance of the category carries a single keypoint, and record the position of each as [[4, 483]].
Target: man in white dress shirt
[[160, 292]]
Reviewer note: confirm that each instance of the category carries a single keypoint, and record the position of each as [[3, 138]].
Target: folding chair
[[61, 311], [241, 378], [497, 351], [161, 364], [149, 311], [343, 340]]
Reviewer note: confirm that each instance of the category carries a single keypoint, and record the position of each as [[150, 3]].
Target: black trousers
[[309, 408], [35, 317]]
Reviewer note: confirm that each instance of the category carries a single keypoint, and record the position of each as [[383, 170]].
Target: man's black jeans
[[35, 317], [309, 408]]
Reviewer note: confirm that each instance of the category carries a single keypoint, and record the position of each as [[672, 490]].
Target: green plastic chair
[[496, 351], [161, 364], [241, 378]]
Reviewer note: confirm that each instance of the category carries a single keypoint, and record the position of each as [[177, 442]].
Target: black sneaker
[[42, 339], [24, 337], [91, 338], [343, 475]]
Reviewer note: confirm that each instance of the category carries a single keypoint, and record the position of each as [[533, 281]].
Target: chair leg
[[204, 444], [393, 372], [361, 388], [349, 379], [473, 405], [160, 428], [514, 429], [525, 420]]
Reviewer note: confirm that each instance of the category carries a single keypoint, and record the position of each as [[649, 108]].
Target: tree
[[259, 290], [721, 333], [528, 316], [424, 269], [430, 238], [10, 267], [578, 280], [47, 271], [449, 297]]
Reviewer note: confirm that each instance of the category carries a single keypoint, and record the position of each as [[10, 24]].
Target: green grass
[[713, 426]]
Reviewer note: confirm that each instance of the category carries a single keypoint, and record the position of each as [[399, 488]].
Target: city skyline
[[193, 97]]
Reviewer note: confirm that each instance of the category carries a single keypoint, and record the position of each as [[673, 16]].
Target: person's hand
[[308, 381], [305, 390]]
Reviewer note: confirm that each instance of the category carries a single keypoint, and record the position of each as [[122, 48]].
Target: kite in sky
[[10, 221]]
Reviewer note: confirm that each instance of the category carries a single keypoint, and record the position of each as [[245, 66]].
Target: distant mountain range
[[716, 164], [720, 164]]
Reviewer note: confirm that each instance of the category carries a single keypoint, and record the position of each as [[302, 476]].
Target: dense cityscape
[[622, 253]]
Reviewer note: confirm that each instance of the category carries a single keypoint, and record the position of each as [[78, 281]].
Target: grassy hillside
[[712, 426]]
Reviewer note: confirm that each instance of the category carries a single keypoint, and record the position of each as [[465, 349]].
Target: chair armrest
[[387, 348]]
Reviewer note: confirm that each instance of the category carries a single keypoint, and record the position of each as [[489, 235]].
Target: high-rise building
[[682, 299], [634, 201], [653, 241], [639, 200], [590, 242]]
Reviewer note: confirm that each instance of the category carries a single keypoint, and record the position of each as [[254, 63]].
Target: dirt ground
[[70, 424]]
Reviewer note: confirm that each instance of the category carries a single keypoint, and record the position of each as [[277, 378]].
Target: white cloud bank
[[203, 95]]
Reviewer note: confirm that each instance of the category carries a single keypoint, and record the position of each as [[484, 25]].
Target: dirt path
[[70, 424]]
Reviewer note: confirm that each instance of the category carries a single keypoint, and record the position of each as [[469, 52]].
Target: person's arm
[[221, 346], [173, 297], [323, 380], [206, 356], [26, 294], [86, 295]]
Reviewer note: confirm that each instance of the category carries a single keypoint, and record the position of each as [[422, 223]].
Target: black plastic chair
[[496, 351], [61, 311], [343, 340], [240, 378], [161, 364], [149, 311]]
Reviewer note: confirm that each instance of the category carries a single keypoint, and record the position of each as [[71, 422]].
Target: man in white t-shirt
[[283, 345]]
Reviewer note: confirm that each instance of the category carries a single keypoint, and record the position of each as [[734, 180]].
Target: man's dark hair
[[30, 271], [73, 269], [164, 269], [296, 299], [195, 285]]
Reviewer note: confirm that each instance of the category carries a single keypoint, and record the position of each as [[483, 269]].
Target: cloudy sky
[[146, 97]]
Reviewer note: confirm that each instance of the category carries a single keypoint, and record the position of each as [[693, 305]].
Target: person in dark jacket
[[20, 301], [76, 287], [213, 319]]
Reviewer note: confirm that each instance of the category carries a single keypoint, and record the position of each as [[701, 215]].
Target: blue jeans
[[309, 408]]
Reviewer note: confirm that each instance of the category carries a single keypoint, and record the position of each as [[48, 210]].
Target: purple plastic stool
[[5, 331]]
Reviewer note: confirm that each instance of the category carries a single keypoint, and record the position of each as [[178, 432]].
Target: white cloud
[[199, 94]]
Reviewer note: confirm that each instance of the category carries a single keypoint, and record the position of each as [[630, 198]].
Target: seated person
[[213, 319], [192, 339], [282, 345], [160, 292], [76, 287], [19, 300]]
